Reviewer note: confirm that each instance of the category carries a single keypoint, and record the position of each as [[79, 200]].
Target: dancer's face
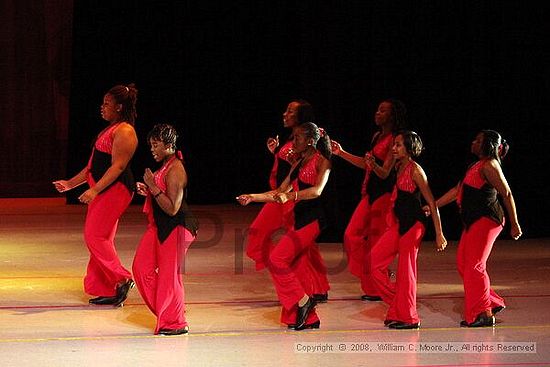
[[300, 142], [383, 116], [290, 116], [110, 110], [399, 150], [159, 149], [477, 144]]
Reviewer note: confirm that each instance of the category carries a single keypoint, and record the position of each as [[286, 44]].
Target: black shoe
[[122, 290], [482, 320], [183, 330], [303, 313], [101, 300], [366, 297], [497, 309], [403, 325], [320, 298], [314, 325], [388, 322]]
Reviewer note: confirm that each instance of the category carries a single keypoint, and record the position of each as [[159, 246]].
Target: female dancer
[[303, 186], [368, 221], [483, 220], [404, 235], [274, 216], [111, 190], [171, 230]]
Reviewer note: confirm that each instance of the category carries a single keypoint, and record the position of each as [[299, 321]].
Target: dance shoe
[[303, 313], [388, 322], [320, 298], [101, 300], [482, 320], [403, 325], [122, 290], [183, 330], [366, 297], [497, 309], [314, 325]]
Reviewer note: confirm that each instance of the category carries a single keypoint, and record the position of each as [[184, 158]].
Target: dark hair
[[493, 145], [304, 111], [126, 95], [399, 114], [321, 140], [165, 133], [412, 142]]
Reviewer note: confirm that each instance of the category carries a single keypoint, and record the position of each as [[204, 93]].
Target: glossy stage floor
[[45, 318]]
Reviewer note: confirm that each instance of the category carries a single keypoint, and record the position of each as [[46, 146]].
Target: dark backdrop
[[223, 73]]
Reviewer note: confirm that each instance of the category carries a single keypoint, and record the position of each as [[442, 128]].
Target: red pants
[[365, 227], [105, 270], [157, 275], [474, 249], [288, 265], [401, 296], [272, 218]]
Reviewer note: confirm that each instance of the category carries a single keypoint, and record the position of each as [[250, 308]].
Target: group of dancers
[[389, 221], [171, 225]]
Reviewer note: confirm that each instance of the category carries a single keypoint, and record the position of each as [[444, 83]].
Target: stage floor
[[232, 310]]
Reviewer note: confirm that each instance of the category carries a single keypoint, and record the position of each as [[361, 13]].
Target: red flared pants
[[474, 249], [157, 275], [274, 217], [289, 266], [105, 270], [401, 296], [366, 226]]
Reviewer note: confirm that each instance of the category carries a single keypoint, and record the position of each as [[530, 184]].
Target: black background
[[223, 73]]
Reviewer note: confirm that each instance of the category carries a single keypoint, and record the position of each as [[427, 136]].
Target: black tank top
[[100, 164], [408, 210], [477, 203], [166, 223]]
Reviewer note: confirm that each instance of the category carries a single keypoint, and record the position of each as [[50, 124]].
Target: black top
[[100, 164], [477, 203], [376, 187], [307, 211], [166, 223], [283, 168], [408, 210]]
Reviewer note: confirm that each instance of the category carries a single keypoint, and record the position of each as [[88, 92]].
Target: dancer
[[274, 216], [368, 221], [170, 231], [111, 190], [304, 186], [404, 235], [483, 220]]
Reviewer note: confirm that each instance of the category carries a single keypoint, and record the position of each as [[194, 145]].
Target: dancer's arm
[[421, 181], [494, 175]]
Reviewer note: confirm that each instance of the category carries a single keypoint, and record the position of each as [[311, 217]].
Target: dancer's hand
[[62, 185], [440, 242], [335, 147], [515, 231], [244, 199], [88, 196], [142, 189], [149, 178], [369, 160], [272, 144], [426, 210]]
